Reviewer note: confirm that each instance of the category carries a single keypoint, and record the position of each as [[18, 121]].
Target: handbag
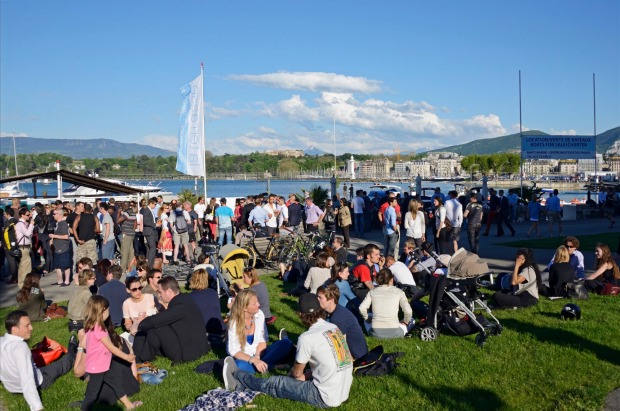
[[609, 289], [46, 352], [55, 311]]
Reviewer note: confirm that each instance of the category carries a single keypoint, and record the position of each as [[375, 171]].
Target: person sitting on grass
[[344, 319], [576, 257], [526, 278], [79, 298], [606, 270], [340, 278], [31, 299], [328, 381], [176, 333], [138, 303], [318, 274], [208, 301], [385, 300], [247, 336], [18, 373], [561, 273], [250, 278]]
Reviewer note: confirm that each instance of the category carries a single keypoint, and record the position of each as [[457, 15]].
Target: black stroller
[[453, 299]]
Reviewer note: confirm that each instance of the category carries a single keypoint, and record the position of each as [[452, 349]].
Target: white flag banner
[[191, 152]]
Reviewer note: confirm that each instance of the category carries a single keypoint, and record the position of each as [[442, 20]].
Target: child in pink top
[[99, 351]]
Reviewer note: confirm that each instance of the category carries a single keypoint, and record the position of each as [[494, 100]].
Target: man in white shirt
[[200, 209], [270, 207], [18, 373], [328, 381], [283, 209], [454, 212], [400, 271]]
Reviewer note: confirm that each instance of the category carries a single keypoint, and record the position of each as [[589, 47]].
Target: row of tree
[[229, 163]]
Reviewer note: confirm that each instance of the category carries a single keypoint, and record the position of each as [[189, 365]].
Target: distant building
[[446, 167], [412, 168], [537, 167], [613, 162], [567, 167], [285, 153], [587, 165]]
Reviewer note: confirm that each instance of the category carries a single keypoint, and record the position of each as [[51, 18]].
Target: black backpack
[[376, 363]]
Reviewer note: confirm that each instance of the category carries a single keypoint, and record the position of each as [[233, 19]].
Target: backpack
[[9, 240], [41, 223], [376, 363], [180, 223]]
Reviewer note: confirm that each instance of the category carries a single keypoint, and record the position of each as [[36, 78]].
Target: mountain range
[[108, 148], [512, 143], [80, 149]]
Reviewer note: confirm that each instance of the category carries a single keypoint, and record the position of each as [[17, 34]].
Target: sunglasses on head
[[136, 289]]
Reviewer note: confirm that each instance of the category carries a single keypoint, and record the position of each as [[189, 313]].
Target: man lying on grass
[[325, 384], [18, 373]]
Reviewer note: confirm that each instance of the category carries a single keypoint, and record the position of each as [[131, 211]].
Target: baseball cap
[[308, 303]]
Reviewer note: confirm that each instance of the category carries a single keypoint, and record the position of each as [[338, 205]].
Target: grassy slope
[[539, 362]]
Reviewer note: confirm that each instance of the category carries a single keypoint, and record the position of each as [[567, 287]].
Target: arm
[[407, 217], [297, 372], [117, 351], [516, 277], [106, 233], [364, 306], [75, 230], [97, 224], [599, 272], [27, 377], [404, 305]]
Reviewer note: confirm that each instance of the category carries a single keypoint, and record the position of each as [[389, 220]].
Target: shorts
[[180, 238], [192, 237], [63, 261], [455, 233], [554, 216]]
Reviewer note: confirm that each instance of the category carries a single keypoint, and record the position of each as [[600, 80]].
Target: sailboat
[[12, 190]]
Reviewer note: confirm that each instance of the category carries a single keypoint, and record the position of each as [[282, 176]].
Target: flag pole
[[204, 146], [520, 137], [595, 156]]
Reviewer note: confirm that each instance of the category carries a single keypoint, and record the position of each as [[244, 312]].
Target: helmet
[[571, 312]]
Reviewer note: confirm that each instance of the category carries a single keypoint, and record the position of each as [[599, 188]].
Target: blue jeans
[[107, 250], [391, 243], [359, 224], [274, 354], [221, 232], [282, 387]]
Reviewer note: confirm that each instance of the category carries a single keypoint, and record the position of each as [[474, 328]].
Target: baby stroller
[[454, 298]]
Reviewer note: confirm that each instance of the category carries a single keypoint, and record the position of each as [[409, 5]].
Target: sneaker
[[230, 366], [73, 344], [283, 334]]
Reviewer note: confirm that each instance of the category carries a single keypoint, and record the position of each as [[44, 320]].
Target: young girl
[[165, 239], [99, 351], [533, 209]]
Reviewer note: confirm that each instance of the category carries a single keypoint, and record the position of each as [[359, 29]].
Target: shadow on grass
[[565, 339], [454, 398]]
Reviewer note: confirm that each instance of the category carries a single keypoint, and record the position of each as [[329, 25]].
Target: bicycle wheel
[[272, 259], [252, 256], [288, 254]]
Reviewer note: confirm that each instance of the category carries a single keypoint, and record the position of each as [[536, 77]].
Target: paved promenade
[[499, 257]]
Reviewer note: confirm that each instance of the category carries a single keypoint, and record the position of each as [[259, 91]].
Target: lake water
[[239, 188]]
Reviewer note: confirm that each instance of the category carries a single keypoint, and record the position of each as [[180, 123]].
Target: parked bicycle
[[301, 246], [261, 248]]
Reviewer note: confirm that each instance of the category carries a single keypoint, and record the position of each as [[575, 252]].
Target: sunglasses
[[136, 289], [569, 246]]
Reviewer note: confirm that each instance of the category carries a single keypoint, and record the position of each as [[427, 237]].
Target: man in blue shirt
[[259, 216], [391, 227], [224, 217], [553, 212], [344, 319]]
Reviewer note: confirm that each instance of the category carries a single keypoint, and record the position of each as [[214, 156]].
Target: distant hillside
[[80, 149], [512, 143]]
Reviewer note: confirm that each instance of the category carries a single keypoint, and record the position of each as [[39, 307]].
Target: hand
[[260, 365], [130, 357]]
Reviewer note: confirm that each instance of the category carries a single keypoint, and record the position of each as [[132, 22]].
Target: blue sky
[[395, 74]]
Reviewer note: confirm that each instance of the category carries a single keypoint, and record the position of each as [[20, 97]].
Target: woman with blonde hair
[[344, 221], [415, 223], [561, 273], [247, 336], [607, 271]]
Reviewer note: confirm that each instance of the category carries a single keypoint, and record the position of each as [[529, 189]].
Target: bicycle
[[263, 249], [302, 246]]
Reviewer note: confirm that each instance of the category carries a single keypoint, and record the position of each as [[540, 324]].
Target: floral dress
[[164, 245]]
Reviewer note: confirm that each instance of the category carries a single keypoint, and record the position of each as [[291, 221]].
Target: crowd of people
[[340, 304]]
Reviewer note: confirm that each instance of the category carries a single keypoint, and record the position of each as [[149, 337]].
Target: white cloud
[[164, 142], [311, 81], [571, 132]]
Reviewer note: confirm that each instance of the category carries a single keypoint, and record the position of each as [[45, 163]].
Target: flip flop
[[136, 404]]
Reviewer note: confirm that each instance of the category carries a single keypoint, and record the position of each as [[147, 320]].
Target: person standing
[[295, 212], [23, 234], [493, 207], [107, 232], [358, 212], [473, 213], [314, 215], [128, 223], [149, 230], [62, 255], [504, 215], [344, 220], [85, 227], [553, 212], [270, 208], [224, 217], [200, 209], [533, 209], [11, 261], [454, 212], [391, 228]]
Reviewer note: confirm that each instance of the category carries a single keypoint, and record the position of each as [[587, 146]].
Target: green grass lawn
[[586, 242], [539, 362]]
